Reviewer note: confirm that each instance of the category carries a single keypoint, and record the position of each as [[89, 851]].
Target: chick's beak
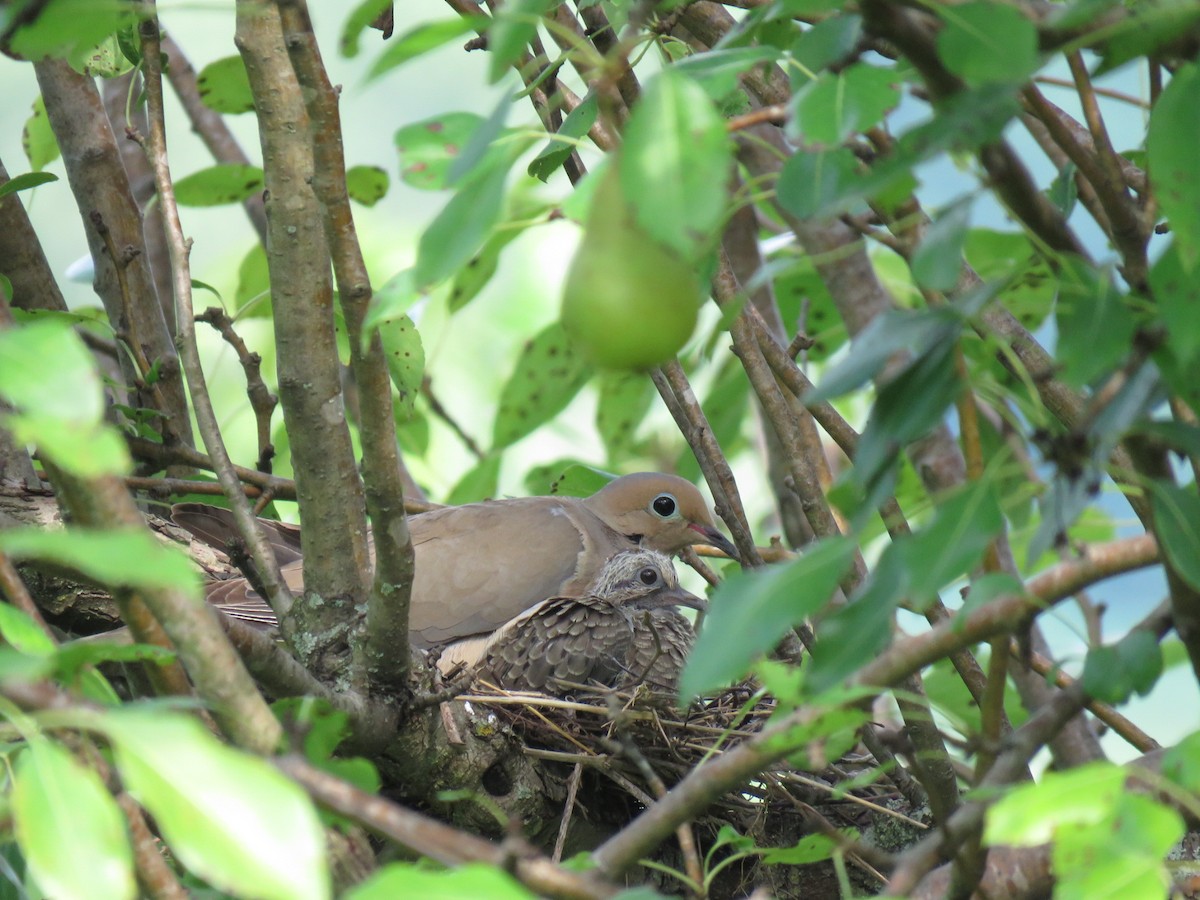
[[675, 596]]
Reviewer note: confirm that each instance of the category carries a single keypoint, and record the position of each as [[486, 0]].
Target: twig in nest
[[687, 840], [568, 810]]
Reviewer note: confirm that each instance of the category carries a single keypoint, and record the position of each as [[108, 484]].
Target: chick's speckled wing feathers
[[598, 637], [662, 639], [561, 639]]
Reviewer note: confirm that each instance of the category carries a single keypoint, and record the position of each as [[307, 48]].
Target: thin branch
[[436, 407], [1120, 725], [386, 648], [100, 185], [681, 402], [438, 841], [337, 564], [262, 401], [278, 594]]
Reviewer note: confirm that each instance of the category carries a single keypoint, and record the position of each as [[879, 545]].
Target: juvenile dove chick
[[480, 565], [601, 637]]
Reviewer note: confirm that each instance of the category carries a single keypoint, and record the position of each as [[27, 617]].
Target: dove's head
[[661, 512]]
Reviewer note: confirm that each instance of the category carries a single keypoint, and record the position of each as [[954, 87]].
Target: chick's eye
[[648, 576], [664, 505]]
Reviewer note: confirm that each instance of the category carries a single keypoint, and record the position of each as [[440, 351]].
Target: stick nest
[[642, 744]]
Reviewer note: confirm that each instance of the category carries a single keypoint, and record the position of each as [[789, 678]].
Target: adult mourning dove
[[607, 636], [480, 565]]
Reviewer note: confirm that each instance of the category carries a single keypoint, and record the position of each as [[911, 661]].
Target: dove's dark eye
[[648, 576], [664, 505]]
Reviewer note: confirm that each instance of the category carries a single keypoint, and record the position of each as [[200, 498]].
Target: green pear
[[629, 302]]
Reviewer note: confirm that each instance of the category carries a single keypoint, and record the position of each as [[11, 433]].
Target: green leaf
[[987, 588], [219, 184], [1008, 257], [231, 818], [37, 138], [121, 557], [915, 332], [1120, 857], [427, 149], [26, 182], [547, 377], [475, 275], [481, 482], [1181, 763], [814, 182], [1029, 815], [85, 449], [405, 357], [559, 148], [908, 406], [253, 284], [224, 86], [23, 634], [395, 298], [752, 610], [987, 42], [72, 657], [461, 227], [1095, 327], [937, 263], [1159, 28], [625, 398], [54, 799], [413, 435], [566, 478], [470, 880], [1131, 666], [105, 59], [828, 111], [953, 543], [675, 164], [67, 29], [367, 184], [858, 631], [324, 729], [420, 40], [827, 42], [1177, 292], [47, 370], [481, 143], [1171, 143], [1177, 525], [1064, 190], [513, 26], [811, 849], [358, 21], [718, 71], [805, 304]]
